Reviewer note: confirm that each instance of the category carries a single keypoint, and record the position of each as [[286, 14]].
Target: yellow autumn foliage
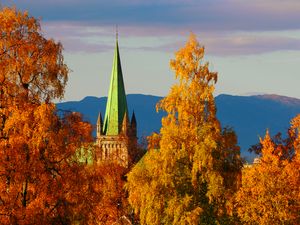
[[270, 192], [181, 179]]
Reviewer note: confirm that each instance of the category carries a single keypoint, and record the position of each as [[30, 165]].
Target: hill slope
[[250, 116]]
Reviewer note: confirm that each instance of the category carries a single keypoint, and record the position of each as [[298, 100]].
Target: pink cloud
[[79, 37]]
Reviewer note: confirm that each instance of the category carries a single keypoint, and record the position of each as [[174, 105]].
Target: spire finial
[[117, 34]]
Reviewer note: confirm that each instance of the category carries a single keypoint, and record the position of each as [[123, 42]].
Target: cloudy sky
[[253, 45]]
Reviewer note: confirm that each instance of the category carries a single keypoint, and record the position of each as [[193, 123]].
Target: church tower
[[116, 134]]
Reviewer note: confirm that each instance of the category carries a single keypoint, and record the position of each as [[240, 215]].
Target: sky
[[253, 45]]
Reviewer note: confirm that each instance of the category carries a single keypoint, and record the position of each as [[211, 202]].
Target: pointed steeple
[[133, 119], [125, 124], [116, 106], [99, 124], [133, 124]]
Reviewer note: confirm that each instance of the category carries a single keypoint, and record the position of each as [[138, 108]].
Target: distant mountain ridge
[[279, 98], [249, 116]]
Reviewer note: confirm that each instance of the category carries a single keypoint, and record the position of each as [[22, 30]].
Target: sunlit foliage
[[40, 182], [270, 192], [30, 64], [181, 179]]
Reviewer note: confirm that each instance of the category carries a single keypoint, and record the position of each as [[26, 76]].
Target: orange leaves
[[153, 141], [295, 133], [31, 66], [12, 18], [40, 179], [113, 203], [270, 189], [38, 171]]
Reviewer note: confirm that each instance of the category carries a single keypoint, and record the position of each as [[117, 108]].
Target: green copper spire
[[116, 106]]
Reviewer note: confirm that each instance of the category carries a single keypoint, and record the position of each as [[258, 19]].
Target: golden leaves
[[270, 189], [295, 133], [180, 179]]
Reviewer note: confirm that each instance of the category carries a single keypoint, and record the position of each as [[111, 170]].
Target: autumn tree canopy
[[43, 179], [107, 182], [31, 66], [40, 180], [270, 189], [181, 179], [191, 173]]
